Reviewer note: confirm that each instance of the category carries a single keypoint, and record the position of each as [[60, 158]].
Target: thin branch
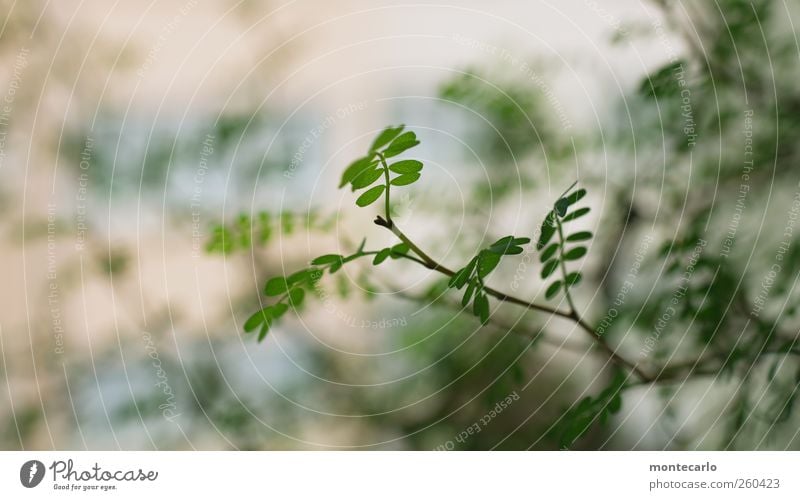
[[538, 335], [500, 325], [430, 263]]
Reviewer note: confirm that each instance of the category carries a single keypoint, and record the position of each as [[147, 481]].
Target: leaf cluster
[[473, 274], [289, 291], [248, 230], [365, 172], [555, 250]]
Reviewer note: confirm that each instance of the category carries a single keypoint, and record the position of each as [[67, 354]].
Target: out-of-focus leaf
[[276, 286]]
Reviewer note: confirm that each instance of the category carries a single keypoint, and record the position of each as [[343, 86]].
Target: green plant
[[376, 174]]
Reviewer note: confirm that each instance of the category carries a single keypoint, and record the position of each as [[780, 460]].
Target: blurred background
[[160, 160]]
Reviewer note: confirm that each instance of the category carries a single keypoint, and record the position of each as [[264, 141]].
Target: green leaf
[[480, 307], [548, 268], [575, 197], [487, 261], [385, 137], [575, 253], [264, 330], [381, 256], [549, 252], [287, 222], [468, 293], [406, 167], [577, 213], [296, 296], [357, 167], [366, 178], [615, 404], [300, 277], [662, 83], [574, 278], [581, 236], [547, 232], [552, 290], [561, 207], [370, 196], [405, 179], [399, 249], [324, 260], [508, 245], [276, 286], [402, 143], [256, 320], [277, 310], [459, 279], [501, 245], [343, 286], [315, 275]]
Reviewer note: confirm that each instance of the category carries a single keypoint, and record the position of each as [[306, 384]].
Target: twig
[[572, 315]]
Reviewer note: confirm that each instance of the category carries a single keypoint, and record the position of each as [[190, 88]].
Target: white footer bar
[[401, 475]]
